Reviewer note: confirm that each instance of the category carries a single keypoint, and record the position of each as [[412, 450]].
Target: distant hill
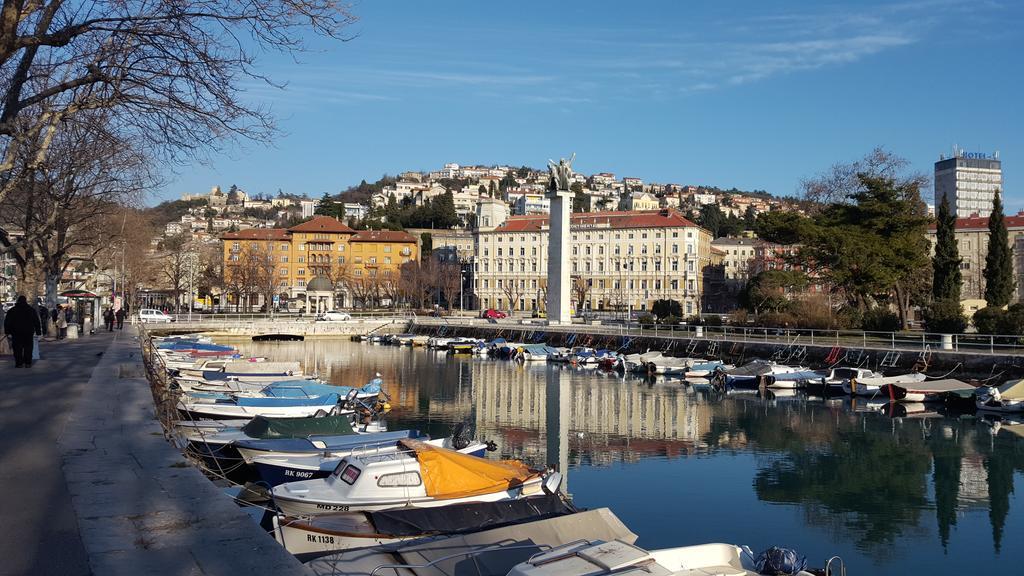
[[171, 211]]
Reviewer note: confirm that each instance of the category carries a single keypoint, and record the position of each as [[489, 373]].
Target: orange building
[[289, 259]]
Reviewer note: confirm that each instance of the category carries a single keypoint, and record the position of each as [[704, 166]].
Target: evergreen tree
[[325, 207], [946, 276], [999, 284]]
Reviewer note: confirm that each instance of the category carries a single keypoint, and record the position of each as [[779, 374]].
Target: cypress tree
[[946, 276], [999, 284]]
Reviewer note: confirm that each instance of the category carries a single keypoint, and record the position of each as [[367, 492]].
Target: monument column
[[559, 305]]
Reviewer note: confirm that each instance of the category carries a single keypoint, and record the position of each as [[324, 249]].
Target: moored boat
[[417, 474], [1008, 398]]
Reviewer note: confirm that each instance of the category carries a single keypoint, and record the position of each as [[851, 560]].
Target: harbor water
[[892, 492]]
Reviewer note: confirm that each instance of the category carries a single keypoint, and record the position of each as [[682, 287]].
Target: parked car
[[153, 315], [492, 314], [333, 316]]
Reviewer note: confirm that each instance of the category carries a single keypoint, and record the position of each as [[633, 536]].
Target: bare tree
[[416, 282], [514, 290], [61, 211], [839, 182], [449, 281], [168, 73], [175, 259], [580, 291]]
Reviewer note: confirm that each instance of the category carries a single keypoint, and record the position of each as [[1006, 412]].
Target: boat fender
[[853, 385], [777, 561]]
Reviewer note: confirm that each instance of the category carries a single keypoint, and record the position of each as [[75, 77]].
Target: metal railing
[[905, 341]]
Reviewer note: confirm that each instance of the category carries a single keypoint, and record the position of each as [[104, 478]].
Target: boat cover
[[449, 474], [1012, 390], [467, 517], [213, 375], [328, 443], [264, 428], [267, 402]]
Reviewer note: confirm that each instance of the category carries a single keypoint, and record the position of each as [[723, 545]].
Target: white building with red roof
[[620, 261]]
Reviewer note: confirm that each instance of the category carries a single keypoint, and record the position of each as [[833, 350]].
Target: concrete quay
[[93, 486]]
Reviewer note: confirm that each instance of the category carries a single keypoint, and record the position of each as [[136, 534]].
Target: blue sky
[[755, 95]]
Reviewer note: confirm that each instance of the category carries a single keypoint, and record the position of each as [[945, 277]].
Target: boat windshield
[[341, 466]]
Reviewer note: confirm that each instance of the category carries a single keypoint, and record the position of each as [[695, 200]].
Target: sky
[[752, 95]]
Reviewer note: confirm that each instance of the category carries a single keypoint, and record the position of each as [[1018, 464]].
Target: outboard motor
[[777, 561], [462, 435]]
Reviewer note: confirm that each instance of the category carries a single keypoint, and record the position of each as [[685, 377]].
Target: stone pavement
[[40, 531], [140, 507]]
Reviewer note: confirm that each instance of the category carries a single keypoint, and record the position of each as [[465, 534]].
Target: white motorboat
[[670, 366], [922, 391], [595, 558], [638, 362], [280, 467], [248, 408], [1008, 398], [418, 475], [865, 385], [346, 530]]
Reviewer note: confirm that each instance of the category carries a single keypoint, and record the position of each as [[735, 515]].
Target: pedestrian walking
[[22, 326], [44, 319], [108, 319], [119, 315], [62, 324]]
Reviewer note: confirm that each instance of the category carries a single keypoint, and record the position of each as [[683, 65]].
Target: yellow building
[[355, 263]]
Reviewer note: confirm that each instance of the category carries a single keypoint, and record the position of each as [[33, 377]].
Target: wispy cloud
[[587, 66]]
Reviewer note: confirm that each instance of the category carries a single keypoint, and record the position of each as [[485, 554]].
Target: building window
[[302, 259], [341, 259], [372, 260], [284, 272], [387, 248], [301, 283], [301, 272], [359, 260]]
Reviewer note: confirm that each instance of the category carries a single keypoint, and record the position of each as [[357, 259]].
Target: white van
[[153, 315]]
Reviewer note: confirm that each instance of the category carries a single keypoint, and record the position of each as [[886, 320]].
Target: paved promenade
[[99, 490], [40, 531]]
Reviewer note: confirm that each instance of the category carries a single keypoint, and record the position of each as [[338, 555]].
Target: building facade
[[968, 181], [972, 243], [621, 261], [354, 262]]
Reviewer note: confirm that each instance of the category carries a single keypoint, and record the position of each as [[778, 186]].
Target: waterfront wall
[[876, 354]]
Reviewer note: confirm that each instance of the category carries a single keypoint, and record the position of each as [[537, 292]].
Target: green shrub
[[645, 319], [880, 320], [671, 319], [990, 320], [1013, 321], [945, 317], [710, 320], [666, 308]]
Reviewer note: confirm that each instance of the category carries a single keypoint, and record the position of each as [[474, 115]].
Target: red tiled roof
[[322, 224], [257, 234], [981, 222], [665, 218], [382, 236]]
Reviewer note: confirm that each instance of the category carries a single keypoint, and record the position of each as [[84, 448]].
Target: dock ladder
[[890, 360]]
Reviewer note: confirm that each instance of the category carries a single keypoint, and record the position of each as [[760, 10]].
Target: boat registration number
[[332, 507], [298, 474], [319, 539]]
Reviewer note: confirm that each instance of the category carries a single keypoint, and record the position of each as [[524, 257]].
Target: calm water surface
[[917, 494]]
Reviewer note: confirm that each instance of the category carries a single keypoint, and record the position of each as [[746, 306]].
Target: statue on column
[[561, 174]]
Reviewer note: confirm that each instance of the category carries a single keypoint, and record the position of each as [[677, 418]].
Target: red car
[[493, 314]]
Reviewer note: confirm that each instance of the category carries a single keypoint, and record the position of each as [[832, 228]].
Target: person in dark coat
[[44, 319], [108, 319], [120, 318], [21, 326]]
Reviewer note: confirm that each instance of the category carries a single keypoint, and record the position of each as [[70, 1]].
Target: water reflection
[[860, 482]]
